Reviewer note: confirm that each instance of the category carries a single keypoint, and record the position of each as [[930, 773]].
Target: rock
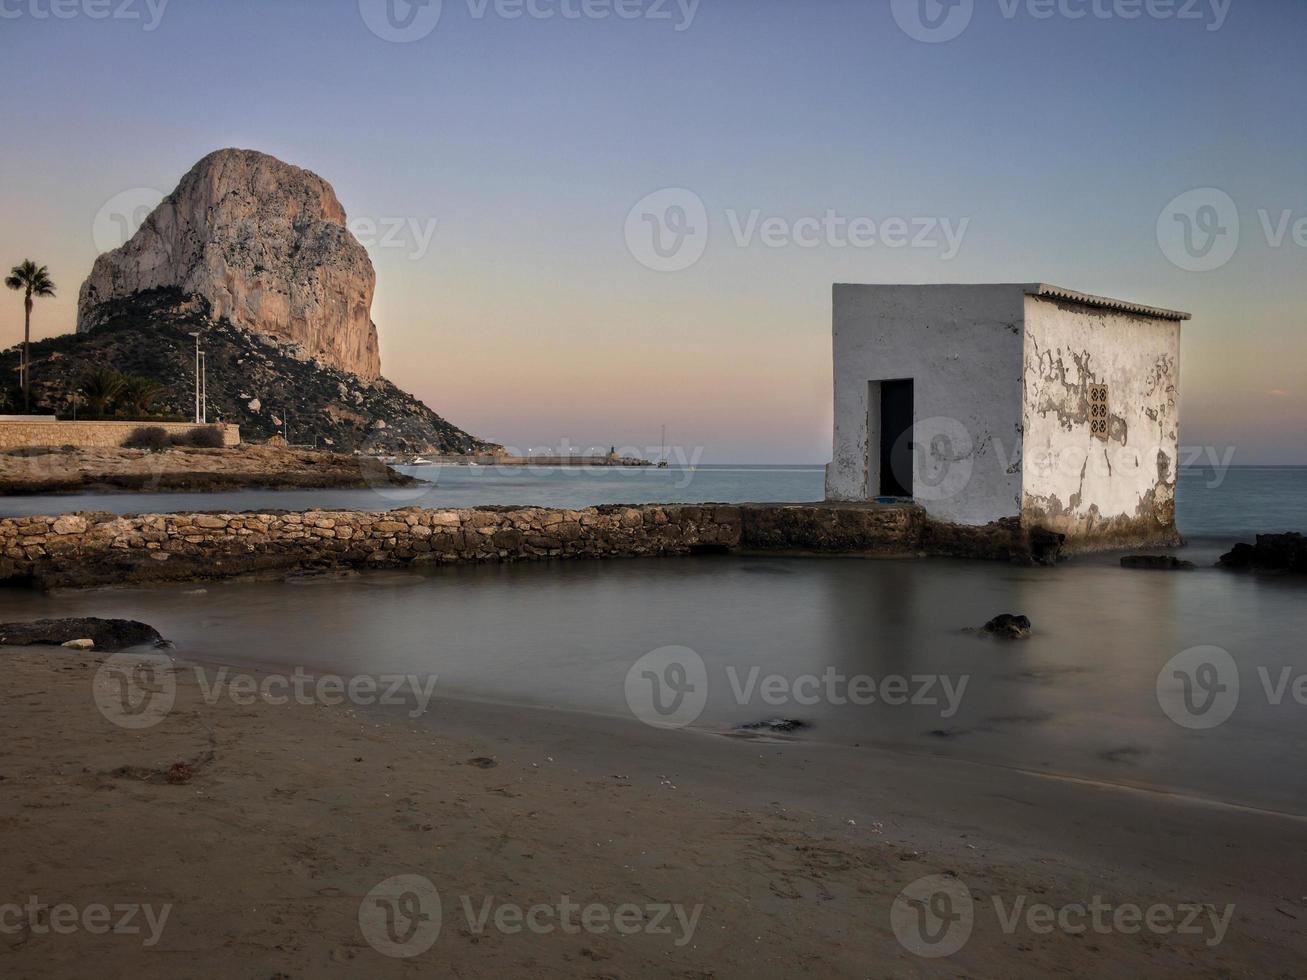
[[777, 726], [1045, 546], [1272, 552], [265, 244], [1008, 626], [70, 524], [85, 643], [1163, 563], [102, 634]]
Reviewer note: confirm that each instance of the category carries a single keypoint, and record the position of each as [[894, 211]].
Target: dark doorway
[[896, 438]]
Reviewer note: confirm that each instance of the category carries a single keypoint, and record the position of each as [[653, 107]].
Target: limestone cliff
[[265, 245]]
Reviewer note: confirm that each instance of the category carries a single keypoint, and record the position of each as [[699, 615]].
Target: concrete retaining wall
[[29, 433]]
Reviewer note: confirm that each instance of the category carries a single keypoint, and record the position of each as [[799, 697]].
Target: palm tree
[[101, 386], [139, 393], [35, 281]]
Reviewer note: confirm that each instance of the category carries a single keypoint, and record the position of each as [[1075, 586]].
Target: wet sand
[[291, 814]]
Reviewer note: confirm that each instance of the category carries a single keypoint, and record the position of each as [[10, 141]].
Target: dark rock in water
[[1273, 552], [1013, 627], [1045, 546], [778, 726], [108, 634], [947, 732], [1163, 563]]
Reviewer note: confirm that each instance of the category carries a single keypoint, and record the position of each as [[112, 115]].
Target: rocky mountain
[[265, 245], [264, 384]]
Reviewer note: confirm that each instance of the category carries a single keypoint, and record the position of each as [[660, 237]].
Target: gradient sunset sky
[[1057, 142]]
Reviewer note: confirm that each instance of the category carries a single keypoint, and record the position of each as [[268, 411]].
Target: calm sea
[[1086, 696], [1212, 503]]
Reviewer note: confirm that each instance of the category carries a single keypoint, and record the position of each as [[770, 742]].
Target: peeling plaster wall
[[962, 346], [1121, 491]]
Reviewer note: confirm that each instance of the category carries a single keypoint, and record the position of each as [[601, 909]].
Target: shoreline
[[315, 805], [95, 548], [34, 472]]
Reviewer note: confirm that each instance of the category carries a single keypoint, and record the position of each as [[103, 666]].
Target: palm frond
[[33, 278]]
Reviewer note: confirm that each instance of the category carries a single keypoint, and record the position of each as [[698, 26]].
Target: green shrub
[[152, 437]]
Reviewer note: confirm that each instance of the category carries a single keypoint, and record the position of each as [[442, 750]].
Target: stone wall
[[103, 549], [96, 549], [28, 433]]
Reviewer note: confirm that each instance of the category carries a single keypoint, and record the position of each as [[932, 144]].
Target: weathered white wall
[[1073, 482], [962, 346]]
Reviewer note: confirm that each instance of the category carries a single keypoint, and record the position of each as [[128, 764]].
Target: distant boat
[[421, 462]]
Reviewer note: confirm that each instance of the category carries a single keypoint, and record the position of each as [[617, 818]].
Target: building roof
[[1043, 289]]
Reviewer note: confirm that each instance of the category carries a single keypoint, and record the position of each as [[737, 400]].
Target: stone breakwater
[[103, 549], [97, 549]]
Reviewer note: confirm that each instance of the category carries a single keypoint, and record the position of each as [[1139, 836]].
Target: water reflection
[[1078, 697]]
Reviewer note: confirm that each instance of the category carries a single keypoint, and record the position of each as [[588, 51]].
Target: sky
[[594, 218]]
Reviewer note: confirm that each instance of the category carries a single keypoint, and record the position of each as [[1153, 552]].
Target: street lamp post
[[204, 389], [197, 376]]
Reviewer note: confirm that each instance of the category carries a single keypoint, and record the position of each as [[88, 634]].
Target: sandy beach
[[247, 834]]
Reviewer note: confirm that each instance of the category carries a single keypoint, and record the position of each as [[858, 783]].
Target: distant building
[[992, 402]]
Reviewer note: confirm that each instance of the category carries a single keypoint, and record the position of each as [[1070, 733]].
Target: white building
[[990, 402]]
